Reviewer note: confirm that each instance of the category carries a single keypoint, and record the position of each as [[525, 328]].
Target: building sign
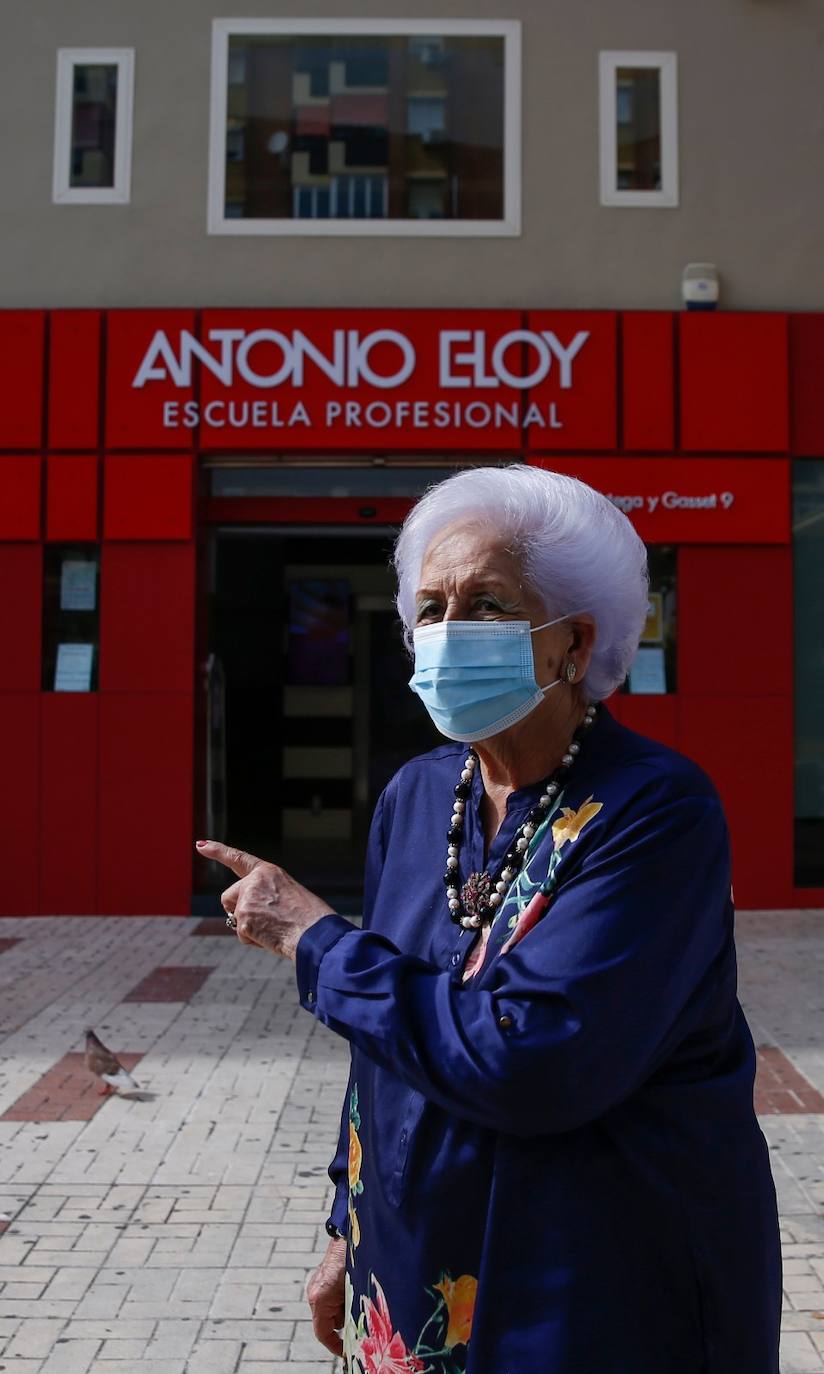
[[693, 500], [344, 379]]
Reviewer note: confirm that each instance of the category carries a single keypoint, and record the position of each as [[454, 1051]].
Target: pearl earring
[[571, 672]]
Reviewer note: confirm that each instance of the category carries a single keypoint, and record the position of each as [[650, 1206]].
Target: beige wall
[[751, 146]]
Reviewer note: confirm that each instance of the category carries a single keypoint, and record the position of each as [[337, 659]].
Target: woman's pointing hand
[[271, 909]]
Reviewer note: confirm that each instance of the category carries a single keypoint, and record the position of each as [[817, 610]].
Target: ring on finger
[[230, 921]]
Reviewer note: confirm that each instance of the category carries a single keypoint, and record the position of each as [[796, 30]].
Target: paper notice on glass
[[653, 631], [78, 585], [73, 670], [647, 676]]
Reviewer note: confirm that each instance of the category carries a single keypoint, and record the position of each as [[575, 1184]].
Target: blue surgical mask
[[477, 677]]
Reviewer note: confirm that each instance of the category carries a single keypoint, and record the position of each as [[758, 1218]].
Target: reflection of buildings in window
[[364, 128], [638, 128], [94, 110]]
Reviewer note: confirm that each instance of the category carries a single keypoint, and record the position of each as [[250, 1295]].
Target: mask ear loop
[[569, 616], [571, 670]]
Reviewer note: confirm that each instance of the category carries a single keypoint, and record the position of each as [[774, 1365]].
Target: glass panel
[[94, 113], [70, 619], [360, 127], [653, 669], [638, 128], [808, 557], [325, 482]]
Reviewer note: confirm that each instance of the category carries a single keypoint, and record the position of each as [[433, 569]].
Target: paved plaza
[[172, 1234]]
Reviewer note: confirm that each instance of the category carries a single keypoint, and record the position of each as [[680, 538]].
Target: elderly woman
[[548, 1160]]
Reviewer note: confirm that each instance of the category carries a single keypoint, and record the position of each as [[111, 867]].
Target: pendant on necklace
[[475, 894]]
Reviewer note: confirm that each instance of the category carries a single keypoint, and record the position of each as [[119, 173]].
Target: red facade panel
[[648, 381], [71, 502], [734, 383], [147, 617], [745, 743], [21, 616], [577, 399], [806, 372], [735, 622], [654, 716], [21, 369], [68, 810], [142, 376], [74, 378], [20, 504], [145, 835], [19, 802], [149, 497]]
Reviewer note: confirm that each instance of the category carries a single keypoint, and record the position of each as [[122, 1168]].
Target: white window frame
[[667, 65], [63, 193], [508, 226]]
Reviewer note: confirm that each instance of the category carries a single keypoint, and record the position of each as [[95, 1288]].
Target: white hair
[[578, 553]]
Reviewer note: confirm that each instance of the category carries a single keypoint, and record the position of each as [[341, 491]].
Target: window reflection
[[94, 112], [360, 127], [638, 109]]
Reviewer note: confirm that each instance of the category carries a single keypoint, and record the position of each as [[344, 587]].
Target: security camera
[[699, 286]]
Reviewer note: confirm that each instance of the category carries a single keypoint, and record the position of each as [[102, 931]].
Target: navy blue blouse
[[553, 1167]]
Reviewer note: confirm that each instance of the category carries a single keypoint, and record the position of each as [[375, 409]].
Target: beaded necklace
[[472, 905]]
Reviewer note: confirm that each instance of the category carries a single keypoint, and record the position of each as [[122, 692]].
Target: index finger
[[237, 860]]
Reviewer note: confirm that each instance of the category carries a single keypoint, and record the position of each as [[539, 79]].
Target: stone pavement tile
[[102, 1302], [125, 1349], [144, 1366], [17, 1273], [35, 1339], [10, 1291], [70, 1357], [214, 1357], [223, 1329], [811, 1301], [803, 1321], [70, 1283], [296, 1367], [799, 1355], [40, 1307], [138, 1310], [173, 1339], [77, 1329], [264, 1350], [234, 1300]]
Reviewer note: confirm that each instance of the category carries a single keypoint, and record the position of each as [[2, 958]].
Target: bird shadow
[[138, 1095]]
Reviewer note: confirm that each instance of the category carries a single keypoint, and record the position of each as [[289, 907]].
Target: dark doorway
[[309, 712]]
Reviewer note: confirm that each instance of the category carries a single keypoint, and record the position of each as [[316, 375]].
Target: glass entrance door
[[308, 709]]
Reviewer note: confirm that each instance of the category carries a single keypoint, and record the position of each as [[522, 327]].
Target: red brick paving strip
[[8, 940], [170, 983], [213, 925], [66, 1092], [780, 1089]]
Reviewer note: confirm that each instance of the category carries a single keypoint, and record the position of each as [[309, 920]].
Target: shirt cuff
[[339, 1215], [313, 944]]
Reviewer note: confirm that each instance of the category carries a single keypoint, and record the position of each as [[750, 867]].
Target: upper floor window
[[93, 125], [365, 127], [639, 128]]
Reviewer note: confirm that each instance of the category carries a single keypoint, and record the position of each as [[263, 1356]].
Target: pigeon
[[103, 1064]]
